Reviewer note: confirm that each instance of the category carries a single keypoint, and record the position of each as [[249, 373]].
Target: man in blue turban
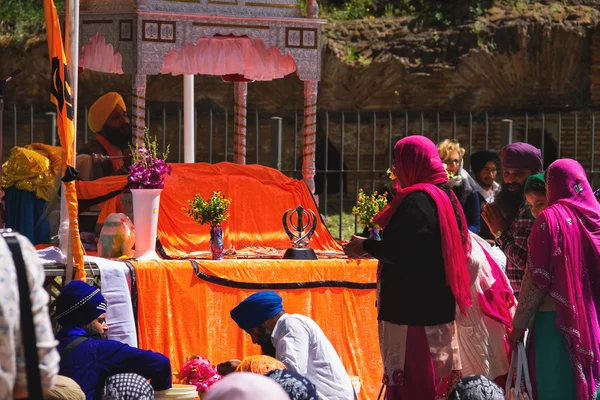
[[87, 357], [295, 340]]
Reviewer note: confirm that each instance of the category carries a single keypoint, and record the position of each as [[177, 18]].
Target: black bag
[[34, 381]]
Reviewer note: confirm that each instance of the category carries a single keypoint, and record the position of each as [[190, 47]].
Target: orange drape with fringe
[[180, 313]]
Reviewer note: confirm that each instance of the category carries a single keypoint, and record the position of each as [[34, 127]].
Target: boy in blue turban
[[87, 356], [295, 340]]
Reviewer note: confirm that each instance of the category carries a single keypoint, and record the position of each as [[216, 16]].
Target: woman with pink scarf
[[422, 276], [482, 330], [560, 294]]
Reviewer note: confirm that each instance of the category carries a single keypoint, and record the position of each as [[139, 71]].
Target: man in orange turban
[[108, 119]]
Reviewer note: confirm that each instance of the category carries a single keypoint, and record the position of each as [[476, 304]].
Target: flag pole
[[72, 45]]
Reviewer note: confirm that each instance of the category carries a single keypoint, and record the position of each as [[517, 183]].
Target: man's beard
[[265, 342], [120, 137], [485, 185], [92, 331], [509, 201]]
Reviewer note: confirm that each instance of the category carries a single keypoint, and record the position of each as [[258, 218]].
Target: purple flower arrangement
[[147, 170]]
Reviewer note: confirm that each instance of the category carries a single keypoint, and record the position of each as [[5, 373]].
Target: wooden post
[[310, 133], [138, 111], [240, 117]]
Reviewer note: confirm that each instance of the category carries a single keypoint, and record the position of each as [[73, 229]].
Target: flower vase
[[216, 241], [374, 233], [145, 219]]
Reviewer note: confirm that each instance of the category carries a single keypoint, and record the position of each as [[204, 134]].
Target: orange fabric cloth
[[113, 151], [61, 97], [90, 190], [260, 195], [259, 364], [180, 314]]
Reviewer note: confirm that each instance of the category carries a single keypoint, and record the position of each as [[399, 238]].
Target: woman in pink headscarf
[[422, 274], [564, 267]]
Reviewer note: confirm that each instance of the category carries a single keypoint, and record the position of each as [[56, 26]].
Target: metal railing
[[354, 149]]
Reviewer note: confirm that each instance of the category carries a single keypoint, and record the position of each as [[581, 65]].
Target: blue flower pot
[[374, 233], [216, 241]]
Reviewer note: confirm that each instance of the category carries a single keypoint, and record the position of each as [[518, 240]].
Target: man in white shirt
[[295, 340], [484, 165]]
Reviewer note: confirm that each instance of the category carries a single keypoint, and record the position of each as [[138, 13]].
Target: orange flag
[[60, 95]]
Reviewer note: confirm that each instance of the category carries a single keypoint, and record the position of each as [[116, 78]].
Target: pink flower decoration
[[198, 371]]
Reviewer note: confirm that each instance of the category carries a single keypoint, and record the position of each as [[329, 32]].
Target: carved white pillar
[[310, 133], [138, 108], [189, 135], [240, 113]]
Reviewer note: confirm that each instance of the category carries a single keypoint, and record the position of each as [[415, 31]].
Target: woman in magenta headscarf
[[422, 274], [564, 262]]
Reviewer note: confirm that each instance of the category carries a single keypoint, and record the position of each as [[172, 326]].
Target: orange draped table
[[183, 308]]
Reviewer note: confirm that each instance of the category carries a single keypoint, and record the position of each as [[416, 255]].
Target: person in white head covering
[[246, 386]]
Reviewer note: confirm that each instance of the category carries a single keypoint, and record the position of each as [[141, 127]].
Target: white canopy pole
[[188, 119], [72, 27]]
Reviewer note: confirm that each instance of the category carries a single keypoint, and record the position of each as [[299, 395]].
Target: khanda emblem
[[61, 90], [303, 219]]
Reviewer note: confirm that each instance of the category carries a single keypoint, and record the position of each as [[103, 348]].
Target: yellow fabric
[[180, 314], [102, 108], [259, 364], [62, 98], [32, 168]]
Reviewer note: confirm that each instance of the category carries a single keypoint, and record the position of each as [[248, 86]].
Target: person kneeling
[[87, 356], [295, 340]]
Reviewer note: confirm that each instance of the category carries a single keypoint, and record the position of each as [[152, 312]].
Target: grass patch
[[332, 221]]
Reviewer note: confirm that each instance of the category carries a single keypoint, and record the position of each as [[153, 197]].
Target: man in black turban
[[484, 165]]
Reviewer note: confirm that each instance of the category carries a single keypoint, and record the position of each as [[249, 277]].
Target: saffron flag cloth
[[260, 196], [61, 97], [183, 308], [104, 192]]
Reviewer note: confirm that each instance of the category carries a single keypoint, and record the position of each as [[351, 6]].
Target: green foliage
[[302, 4], [520, 5], [213, 211], [477, 9], [353, 56], [367, 207], [556, 8], [22, 19], [352, 9], [145, 153], [390, 11], [332, 221], [441, 13]]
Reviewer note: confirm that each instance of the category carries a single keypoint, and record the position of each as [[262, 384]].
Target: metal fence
[[354, 149]]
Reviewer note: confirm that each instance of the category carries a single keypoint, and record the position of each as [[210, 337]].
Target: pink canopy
[[97, 55], [229, 55]]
